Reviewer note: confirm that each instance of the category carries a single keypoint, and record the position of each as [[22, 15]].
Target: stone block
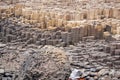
[[107, 49], [117, 63], [43, 42], [67, 17], [96, 14], [111, 13], [18, 12], [2, 71], [53, 22], [116, 13], [19, 6], [90, 30], [60, 23], [66, 37], [118, 30], [118, 46], [107, 36], [75, 33], [85, 30], [26, 13], [99, 31], [100, 12], [77, 17], [81, 16], [117, 51], [106, 13], [32, 21], [81, 32], [84, 15], [112, 50], [91, 14], [35, 15]]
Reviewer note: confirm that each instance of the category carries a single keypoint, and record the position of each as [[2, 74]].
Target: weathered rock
[[103, 72]]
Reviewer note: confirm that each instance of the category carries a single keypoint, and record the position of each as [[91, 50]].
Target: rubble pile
[[33, 63]]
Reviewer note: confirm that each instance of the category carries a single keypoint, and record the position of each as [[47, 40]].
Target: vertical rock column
[[98, 31], [18, 10], [81, 32], [106, 13], [118, 30], [90, 30], [66, 37], [75, 34], [116, 13], [91, 14], [34, 16]]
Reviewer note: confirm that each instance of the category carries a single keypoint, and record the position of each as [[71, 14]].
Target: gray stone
[[2, 71], [2, 45], [103, 72], [4, 78]]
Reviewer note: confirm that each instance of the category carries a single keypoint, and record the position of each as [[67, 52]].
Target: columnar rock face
[[93, 19], [87, 32]]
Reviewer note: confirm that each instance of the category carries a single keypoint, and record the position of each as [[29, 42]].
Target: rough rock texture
[[61, 13], [95, 60], [85, 35], [34, 62]]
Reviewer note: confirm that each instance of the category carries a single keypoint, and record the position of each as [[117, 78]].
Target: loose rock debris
[[43, 63]]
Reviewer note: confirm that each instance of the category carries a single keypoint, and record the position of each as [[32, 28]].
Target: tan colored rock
[[81, 16], [60, 23], [96, 14], [35, 15], [99, 31], [111, 13], [26, 13], [106, 13], [18, 12], [91, 14], [107, 36], [53, 22], [77, 17], [67, 17], [116, 13], [118, 30]]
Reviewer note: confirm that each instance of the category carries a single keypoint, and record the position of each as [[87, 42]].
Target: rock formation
[[84, 34]]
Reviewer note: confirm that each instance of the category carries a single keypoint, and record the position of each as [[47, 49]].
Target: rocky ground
[[94, 60], [47, 40], [24, 58], [33, 62]]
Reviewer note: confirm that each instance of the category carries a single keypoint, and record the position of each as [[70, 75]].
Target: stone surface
[[84, 35]]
